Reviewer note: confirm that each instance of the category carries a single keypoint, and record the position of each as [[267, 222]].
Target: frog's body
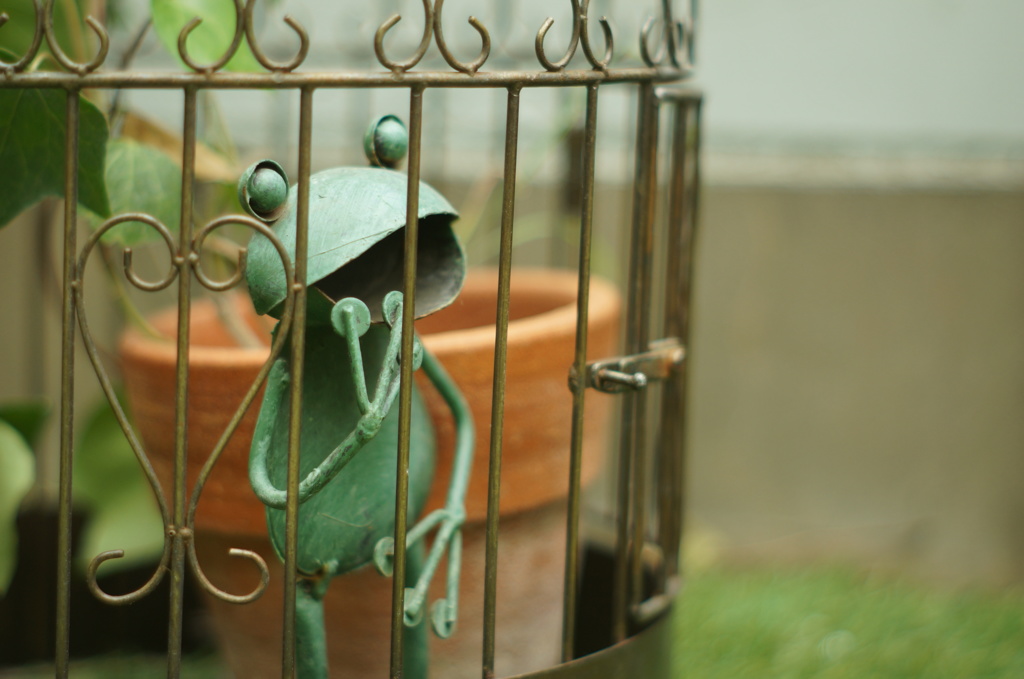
[[360, 509], [352, 358]]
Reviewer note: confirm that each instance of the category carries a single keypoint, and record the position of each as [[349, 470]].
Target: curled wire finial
[[8, 68], [257, 51], [577, 15], [226, 57], [675, 40], [217, 591], [485, 39], [62, 58], [130, 597], [128, 259], [197, 247], [402, 66], [609, 40]]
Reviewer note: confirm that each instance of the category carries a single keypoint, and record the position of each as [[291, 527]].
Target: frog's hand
[[448, 520], [351, 319]]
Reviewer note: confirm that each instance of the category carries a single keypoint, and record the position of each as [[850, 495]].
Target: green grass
[[831, 623], [761, 623]]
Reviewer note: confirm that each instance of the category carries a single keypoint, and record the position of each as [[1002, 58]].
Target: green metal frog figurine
[[349, 432]]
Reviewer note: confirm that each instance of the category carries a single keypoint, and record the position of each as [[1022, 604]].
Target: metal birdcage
[[621, 539]]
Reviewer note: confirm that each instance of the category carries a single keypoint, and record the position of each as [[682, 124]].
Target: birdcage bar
[[67, 387], [297, 348], [678, 277], [578, 385], [405, 393], [498, 389]]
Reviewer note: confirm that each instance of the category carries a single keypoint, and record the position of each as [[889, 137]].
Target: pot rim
[[604, 303]]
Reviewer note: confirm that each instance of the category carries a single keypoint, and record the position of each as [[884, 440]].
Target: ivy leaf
[[17, 473], [140, 179], [32, 129], [210, 39]]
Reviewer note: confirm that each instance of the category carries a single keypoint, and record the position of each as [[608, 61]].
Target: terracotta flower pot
[[535, 473]]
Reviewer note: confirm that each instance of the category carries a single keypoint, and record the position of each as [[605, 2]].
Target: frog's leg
[[415, 651], [448, 521], [310, 638]]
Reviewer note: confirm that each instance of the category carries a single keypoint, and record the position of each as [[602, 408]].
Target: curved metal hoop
[[257, 51], [485, 40], [217, 591], [276, 348], [62, 58], [7, 68], [401, 66], [199, 240], [574, 41], [580, 34], [78, 286], [130, 597], [674, 42], [609, 40], [128, 261], [236, 41]]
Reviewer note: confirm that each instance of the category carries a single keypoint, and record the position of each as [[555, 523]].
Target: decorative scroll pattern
[[432, 28], [182, 263], [675, 39], [580, 32], [243, 28], [665, 41]]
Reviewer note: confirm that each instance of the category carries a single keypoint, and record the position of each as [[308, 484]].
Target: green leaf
[[140, 179], [27, 417], [210, 39], [32, 130], [17, 473], [110, 482]]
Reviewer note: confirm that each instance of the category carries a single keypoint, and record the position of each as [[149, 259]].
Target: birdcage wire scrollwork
[[665, 43], [182, 263]]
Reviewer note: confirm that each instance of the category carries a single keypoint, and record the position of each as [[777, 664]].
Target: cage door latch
[[632, 373]]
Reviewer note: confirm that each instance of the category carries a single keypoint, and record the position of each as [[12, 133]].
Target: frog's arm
[[351, 319], [449, 519]]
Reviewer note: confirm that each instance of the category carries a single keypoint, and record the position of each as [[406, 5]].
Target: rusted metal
[[631, 373], [645, 472]]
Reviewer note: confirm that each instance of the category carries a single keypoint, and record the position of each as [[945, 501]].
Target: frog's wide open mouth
[[440, 270]]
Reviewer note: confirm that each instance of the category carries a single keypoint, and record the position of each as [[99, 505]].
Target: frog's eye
[[263, 190]]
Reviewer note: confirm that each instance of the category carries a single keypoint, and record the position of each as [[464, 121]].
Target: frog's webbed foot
[[444, 612]]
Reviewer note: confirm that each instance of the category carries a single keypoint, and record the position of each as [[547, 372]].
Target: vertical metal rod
[[298, 354], [692, 238], [67, 387], [579, 369], [677, 303], [412, 202], [178, 530], [498, 391], [642, 452], [629, 527]]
